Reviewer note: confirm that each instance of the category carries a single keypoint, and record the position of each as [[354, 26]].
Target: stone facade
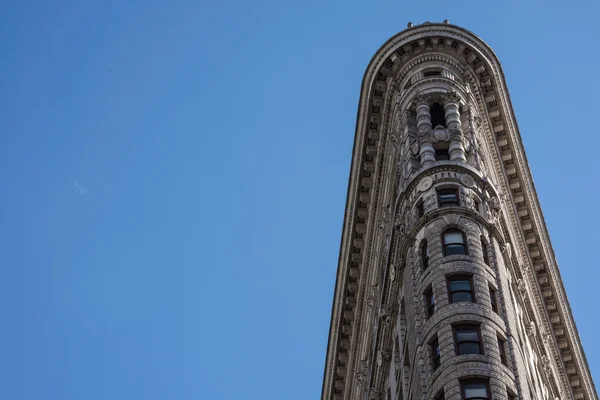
[[447, 285]]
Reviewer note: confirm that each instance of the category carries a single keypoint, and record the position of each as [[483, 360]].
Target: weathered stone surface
[[438, 171]]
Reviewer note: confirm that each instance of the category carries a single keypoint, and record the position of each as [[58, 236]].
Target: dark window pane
[[458, 297], [447, 197], [462, 284], [442, 155], [468, 348], [475, 390], [465, 335], [454, 249], [438, 115], [454, 237]]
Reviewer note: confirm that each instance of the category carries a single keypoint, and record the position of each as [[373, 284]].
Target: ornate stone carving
[[467, 180], [385, 217], [521, 285], [392, 273], [493, 210], [422, 99], [384, 314], [469, 199], [373, 394], [425, 136], [506, 249], [531, 329], [546, 365], [450, 97], [363, 370], [425, 184], [455, 134]]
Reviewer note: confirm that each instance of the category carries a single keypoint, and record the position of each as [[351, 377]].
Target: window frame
[[441, 203], [469, 278], [485, 382], [475, 327], [445, 245]]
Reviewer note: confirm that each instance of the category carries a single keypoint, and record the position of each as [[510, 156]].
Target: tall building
[[447, 285]]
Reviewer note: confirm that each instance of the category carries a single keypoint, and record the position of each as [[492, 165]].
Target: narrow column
[[426, 149], [451, 104]]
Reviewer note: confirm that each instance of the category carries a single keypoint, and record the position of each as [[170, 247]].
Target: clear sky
[[174, 176]]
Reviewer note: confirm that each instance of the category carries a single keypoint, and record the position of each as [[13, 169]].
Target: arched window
[[424, 254], [454, 242]]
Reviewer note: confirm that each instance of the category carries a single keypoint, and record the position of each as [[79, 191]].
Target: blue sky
[[174, 177]]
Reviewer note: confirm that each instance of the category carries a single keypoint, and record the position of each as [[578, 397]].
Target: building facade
[[447, 284]]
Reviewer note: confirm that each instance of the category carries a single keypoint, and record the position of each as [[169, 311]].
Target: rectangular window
[[420, 209], [425, 254], [475, 390], [435, 354], [484, 250], [468, 340], [494, 299], [503, 351], [442, 155], [448, 197], [430, 301], [460, 288]]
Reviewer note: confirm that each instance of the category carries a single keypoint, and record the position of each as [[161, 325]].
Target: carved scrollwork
[[455, 134], [422, 99], [385, 314], [494, 209], [546, 365], [425, 135], [531, 329], [373, 394], [521, 285]]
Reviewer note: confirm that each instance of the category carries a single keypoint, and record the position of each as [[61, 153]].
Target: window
[[494, 299], [440, 396], [503, 352], [424, 254], [475, 390], [420, 209], [467, 340], [484, 250], [442, 155], [448, 197], [510, 395], [460, 289], [454, 242], [432, 72], [435, 354], [438, 115], [430, 301]]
